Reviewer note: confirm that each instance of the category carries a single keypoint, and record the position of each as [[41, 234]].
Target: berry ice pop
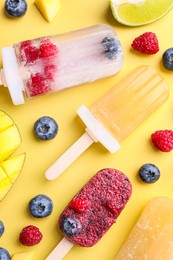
[[152, 236], [93, 210], [115, 115], [50, 64]]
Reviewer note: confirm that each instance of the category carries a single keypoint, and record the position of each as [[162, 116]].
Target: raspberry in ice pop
[[50, 64], [116, 115], [91, 212], [152, 236]]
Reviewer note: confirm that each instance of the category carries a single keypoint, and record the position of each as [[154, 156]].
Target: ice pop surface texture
[[117, 114], [152, 236], [91, 212], [50, 64], [132, 101]]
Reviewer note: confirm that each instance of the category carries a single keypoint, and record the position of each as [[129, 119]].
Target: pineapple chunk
[[10, 140], [5, 184], [13, 166], [48, 8]]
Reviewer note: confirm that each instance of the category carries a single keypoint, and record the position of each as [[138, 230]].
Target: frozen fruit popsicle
[[115, 115], [152, 236], [93, 210], [50, 64]]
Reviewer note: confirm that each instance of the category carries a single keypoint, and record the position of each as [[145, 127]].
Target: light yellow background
[[135, 150]]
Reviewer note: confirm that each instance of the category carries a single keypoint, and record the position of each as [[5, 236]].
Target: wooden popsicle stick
[[69, 156], [60, 250]]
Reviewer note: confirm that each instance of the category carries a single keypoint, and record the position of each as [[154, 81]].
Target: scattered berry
[[37, 85], [79, 205], [15, 8], [146, 43], [71, 226], [25, 44], [47, 49], [50, 71], [163, 140], [167, 59], [45, 128], [30, 236], [4, 254], [1, 228], [149, 173], [111, 47], [28, 53], [41, 206]]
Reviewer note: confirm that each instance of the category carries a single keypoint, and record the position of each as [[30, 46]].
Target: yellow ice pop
[[115, 115], [133, 99], [152, 236]]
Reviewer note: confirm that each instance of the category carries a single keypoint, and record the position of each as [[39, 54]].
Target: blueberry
[[4, 254], [111, 47], [149, 173], [1, 228], [40, 206], [45, 128], [15, 8], [167, 59], [71, 226]]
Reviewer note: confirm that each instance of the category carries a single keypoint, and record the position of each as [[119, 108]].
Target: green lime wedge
[[139, 12]]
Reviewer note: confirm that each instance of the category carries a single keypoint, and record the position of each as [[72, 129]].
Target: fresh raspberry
[[163, 140], [37, 85], [47, 49], [79, 205], [29, 53], [50, 71], [30, 236], [25, 44], [146, 43]]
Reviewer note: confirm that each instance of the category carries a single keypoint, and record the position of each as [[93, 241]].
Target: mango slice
[[9, 171], [5, 184], [48, 8], [10, 140], [5, 121], [13, 166]]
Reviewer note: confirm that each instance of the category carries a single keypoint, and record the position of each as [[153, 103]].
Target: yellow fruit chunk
[[13, 166], [10, 140], [5, 121], [5, 184], [139, 12], [48, 8], [23, 256]]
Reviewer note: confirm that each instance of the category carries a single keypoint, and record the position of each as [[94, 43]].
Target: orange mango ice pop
[[152, 236], [133, 99], [116, 115]]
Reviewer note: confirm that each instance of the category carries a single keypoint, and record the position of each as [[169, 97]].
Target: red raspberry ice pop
[[92, 211]]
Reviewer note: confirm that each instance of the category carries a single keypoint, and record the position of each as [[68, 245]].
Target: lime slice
[[139, 12]]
